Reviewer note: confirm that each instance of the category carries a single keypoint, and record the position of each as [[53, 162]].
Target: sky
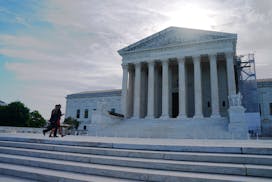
[[52, 48]]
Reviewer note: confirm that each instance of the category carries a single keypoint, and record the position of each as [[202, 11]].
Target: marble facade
[[178, 73], [265, 104], [78, 104]]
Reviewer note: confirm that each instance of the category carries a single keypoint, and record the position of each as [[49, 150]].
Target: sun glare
[[191, 17]]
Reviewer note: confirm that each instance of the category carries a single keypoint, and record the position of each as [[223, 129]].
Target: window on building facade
[[270, 108], [86, 113], [78, 113]]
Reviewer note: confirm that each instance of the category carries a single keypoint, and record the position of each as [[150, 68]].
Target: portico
[[161, 90], [167, 76]]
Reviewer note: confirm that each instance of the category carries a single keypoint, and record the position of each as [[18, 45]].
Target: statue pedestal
[[237, 122]]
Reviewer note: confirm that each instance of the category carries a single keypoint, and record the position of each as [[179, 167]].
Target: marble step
[[132, 162], [34, 149], [8, 178], [238, 149], [23, 173], [119, 164], [61, 170]]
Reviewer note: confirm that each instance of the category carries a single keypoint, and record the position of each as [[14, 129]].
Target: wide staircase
[[189, 128], [56, 160]]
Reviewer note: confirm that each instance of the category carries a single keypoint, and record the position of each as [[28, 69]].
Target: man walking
[[55, 115]]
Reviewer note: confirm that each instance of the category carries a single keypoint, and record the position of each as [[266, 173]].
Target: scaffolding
[[247, 86]]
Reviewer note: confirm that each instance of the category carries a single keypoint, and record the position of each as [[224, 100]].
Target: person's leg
[[55, 130], [48, 128], [60, 131], [51, 132], [59, 128]]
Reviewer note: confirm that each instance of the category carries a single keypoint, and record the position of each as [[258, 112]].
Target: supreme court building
[[179, 73], [177, 83]]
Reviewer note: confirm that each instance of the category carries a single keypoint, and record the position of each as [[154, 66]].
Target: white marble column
[[131, 91], [198, 90], [165, 89], [230, 73], [182, 88], [214, 86], [137, 90], [151, 93], [124, 90]]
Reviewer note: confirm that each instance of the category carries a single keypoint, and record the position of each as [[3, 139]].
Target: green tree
[[4, 116], [15, 114], [35, 120], [72, 122]]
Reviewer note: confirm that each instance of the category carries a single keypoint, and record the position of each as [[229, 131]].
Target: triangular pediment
[[174, 36]]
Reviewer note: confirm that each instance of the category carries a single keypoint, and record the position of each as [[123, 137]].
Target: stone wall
[[10, 129], [265, 98], [73, 104]]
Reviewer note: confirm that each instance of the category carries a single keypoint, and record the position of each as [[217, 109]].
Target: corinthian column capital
[[165, 61], [229, 55], [151, 63], [124, 65], [212, 56], [138, 64], [181, 59], [196, 57]]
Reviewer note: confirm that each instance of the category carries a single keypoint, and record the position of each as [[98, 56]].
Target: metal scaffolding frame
[[247, 84]]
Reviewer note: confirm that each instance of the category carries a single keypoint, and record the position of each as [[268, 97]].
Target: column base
[[198, 116], [135, 117], [149, 117], [182, 117], [215, 116], [126, 116], [164, 117]]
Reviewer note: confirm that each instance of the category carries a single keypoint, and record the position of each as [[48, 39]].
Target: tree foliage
[[17, 114], [35, 120], [72, 122]]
